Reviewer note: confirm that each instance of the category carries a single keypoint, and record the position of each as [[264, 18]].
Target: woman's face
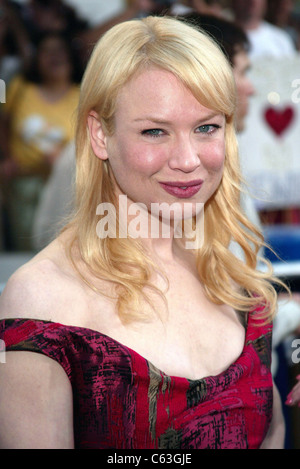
[[166, 146]]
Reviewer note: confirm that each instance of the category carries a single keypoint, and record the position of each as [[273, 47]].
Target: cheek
[[240, 87], [214, 156], [144, 159], [242, 92]]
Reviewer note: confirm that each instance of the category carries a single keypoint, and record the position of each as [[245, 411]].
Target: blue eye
[[153, 132], [208, 129]]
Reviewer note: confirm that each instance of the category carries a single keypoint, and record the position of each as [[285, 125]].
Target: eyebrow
[[156, 120]]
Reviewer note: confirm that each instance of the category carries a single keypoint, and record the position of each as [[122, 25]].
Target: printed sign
[[270, 144]]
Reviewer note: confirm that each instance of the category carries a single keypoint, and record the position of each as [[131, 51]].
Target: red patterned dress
[[122, 401]]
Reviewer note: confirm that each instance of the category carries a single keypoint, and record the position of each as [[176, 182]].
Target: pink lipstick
[[181, 189]]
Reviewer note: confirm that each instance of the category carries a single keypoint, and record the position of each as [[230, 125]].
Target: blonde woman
[[149, 333]]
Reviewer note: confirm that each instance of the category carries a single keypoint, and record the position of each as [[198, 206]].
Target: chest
[[191, 338]]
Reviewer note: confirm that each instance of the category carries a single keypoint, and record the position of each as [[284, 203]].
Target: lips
[[182, 189]]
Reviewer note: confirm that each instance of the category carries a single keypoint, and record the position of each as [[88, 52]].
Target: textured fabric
[[122, 401]]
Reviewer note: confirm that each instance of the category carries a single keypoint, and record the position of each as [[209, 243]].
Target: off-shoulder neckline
[[134, 353]]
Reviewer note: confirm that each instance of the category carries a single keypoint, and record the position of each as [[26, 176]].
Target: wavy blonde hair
[[200, 65]]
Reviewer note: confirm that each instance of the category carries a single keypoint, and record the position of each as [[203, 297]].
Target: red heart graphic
[[279, 121]]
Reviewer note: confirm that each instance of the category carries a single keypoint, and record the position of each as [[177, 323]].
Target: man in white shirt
[[266, 39]]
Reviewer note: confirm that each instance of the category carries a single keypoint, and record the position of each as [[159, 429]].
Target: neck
[[56, 84], [155, 232], [53, 90], [161, 229]]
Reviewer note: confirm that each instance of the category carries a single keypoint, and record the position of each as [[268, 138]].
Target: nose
[[184, 155]]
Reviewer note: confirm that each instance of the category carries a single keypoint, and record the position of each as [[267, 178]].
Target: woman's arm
[[35, 403], [276, 433]]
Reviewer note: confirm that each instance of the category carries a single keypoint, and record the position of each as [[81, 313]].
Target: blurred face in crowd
[[249, 9], [54, 62], [244, 87], [48, 16], [213, 7]]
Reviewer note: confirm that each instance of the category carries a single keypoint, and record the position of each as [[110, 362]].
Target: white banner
[[270, 144]]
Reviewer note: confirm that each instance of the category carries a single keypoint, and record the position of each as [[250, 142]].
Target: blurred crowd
[[44, 47]]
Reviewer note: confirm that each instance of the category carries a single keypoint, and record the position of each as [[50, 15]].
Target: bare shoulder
[[35, 392], [41, 288]]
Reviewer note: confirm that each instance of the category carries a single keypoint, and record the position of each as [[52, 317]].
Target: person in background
[[205, 7], [141, 339], [43, 16], [39, 118], [266, 40], [15, 50], [281, 13], [57, 200], [14, 55], [134, 9]]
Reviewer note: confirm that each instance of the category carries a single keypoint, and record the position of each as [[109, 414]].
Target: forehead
[[156, 91]]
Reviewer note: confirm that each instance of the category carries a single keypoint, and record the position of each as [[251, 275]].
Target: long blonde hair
[[198, 62]]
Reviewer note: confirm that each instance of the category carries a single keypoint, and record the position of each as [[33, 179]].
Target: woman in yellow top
[[39, 115]]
